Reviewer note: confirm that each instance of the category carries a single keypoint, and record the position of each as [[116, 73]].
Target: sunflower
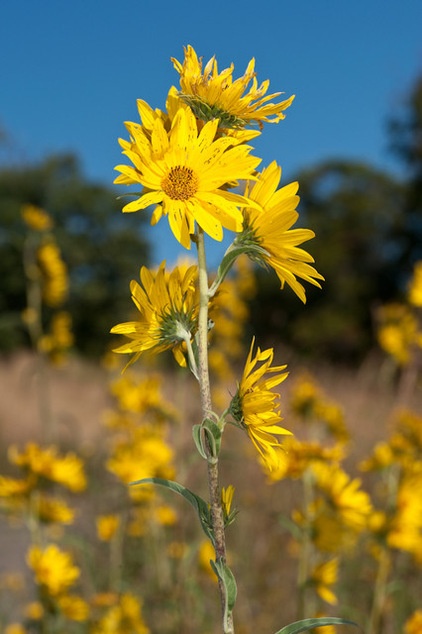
[[254, 405], [270, 236], [167, 304], [211, 94], [185, 173]]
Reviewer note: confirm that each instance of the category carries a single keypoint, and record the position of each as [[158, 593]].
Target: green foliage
[[98, 244], [308, 624]]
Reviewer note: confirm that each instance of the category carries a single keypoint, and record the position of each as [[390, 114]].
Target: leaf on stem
[[309, 624]]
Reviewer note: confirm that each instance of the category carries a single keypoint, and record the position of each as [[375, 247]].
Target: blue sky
[[70, 74]]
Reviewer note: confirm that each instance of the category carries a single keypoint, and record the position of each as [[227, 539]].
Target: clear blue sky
[[71, 71]]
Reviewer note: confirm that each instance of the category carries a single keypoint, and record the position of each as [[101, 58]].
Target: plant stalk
[[205, 391]]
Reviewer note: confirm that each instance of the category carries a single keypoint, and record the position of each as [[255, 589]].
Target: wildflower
[[344, 495], [254, 405], [184, 174], [122, 618], [34, 611], [55, 283], [168, 313], [206, 554], [413, 624], [53, 568], [269, 235], [15, 628], [60, 338], [73, 607], [66, 470], [36, 218], [415, 286], [213, 95], [301, 455], [165, 515], [398, 332], [107, 525], [323, 577], [51, 510]]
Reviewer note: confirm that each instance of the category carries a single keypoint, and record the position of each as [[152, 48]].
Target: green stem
[[205, 391]]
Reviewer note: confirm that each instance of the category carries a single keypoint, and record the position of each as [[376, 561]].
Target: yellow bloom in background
[[15, 628], [211, 94], [167, 305], [301, 455], [60, 338], [415, 286], [143, 395], [123, 618], [206, 554], [53, 510], [184, 174], [73, 607], [324, 577], [271, 231], [413, 624], [344, 495], [55, 281], [398, 332], [164, 515], [53, 569], [67, 470], [34, 610], [36, 218], [107, 526], [254, 407]]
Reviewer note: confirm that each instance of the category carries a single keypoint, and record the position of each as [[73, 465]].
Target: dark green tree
[[405, 131], [102, 248]]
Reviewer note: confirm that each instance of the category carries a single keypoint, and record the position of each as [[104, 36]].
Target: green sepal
[[309, 624], [226, 576], [250, 248], [200, 506]]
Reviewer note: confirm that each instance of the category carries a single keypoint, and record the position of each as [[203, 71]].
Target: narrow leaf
[[200, 506], [197, 438], [309, 624], [224, 573]]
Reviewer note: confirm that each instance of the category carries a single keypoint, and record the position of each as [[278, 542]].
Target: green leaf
[[197, 438], [224, 573], [309, 624], [213, 432], [200, 506]]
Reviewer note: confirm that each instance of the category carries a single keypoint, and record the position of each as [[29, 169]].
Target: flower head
[[415, 286], [36, 218], [53, 568], [168, 313], [212, 95], [254, 405], [185, 174], [269, 235]]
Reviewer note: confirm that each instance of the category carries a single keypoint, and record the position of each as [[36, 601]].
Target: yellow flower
[[415, 286], [60, 338], [73, 607], [51, 509], [324, 576], [184, 174], [254, 405], [165, 515], [36, 218], [345, 497], [34, 611], [215, 95], [413, 624], [168, 307], [301, 455], [107, 525], [53, 568], [206, 554], [124, 618], [398, 332], [15, 628], [66, 470], [55, 283], [269, 234]]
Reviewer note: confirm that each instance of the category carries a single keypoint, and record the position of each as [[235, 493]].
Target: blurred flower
[[34, 610], [143, 395], [254, 405], [168, 306], [15, 628], [73, 607], [301, 455], [51, 510], [323, 577], [165, 515], [415, 286], [413, 624], [269, 234], [206, 554], [122, 618], [55, 282], [60, 338], [398, 332], [107, 525], [36, 218], [53, 569], [183, 173], [67, 470], [213, 95]]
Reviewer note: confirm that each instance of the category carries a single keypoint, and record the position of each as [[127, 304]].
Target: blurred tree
[[102, 248], [406, 142], [354, 210]]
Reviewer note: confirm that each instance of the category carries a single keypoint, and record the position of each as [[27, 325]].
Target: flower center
[[181, 183]]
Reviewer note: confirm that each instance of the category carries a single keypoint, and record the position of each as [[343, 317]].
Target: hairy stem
[[204, 383]]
